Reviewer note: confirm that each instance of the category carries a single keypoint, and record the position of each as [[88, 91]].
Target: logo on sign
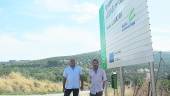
[[114, 56], [111, 57], [130, 22]]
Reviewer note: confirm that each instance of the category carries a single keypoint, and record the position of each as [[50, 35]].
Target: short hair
[[95, 60], [72, 60]]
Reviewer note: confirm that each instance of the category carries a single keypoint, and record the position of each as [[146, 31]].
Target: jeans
[[97, 94], [67, 92]]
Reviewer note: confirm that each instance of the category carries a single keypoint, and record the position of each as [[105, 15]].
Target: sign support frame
[[153, 88], [122, 81]]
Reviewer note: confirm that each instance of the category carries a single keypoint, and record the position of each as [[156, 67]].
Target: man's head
[[72, 62], [95, 64]]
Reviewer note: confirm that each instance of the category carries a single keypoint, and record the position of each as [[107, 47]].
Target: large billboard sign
[[125, 33]]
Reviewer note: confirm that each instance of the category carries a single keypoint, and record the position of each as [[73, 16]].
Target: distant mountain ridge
[[52, 68], [82, 58]]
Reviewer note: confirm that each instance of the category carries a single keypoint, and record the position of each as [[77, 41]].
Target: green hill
[[48, 68], [52, 68]]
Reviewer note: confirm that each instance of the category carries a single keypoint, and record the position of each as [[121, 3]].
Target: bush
[[16, 83]]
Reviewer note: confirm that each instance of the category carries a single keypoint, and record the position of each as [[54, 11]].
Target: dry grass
[[16, 83], [128, 92]]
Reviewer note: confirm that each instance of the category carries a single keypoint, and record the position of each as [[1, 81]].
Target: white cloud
[[160, 38], [80, 12], [85, 12], [37, 14], [55, 5], [48, 42]]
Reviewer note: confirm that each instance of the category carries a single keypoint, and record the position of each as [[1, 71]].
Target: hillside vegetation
[[16, 83], [45, 75]]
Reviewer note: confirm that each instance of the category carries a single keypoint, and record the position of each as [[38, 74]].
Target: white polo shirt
[[72, 77], [97, 80]]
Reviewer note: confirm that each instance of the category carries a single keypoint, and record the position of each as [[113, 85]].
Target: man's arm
[[104, 79], [64, 79], [104, 84], [81, 79], [64, 82], [82, 82], [89, 79]]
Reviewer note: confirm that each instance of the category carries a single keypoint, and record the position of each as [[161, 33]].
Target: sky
[[36, 29]]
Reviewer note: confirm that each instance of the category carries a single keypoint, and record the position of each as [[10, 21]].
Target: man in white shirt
[[97, 79], [72, 77]]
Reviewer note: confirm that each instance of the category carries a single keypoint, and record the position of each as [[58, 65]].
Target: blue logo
[[111, 57]]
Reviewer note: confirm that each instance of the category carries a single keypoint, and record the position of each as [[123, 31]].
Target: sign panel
[[127, 37]]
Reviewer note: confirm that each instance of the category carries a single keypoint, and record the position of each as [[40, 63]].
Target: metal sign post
[[122, 82], [152, 79]]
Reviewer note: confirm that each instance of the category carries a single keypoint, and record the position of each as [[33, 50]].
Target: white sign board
[[127, 33]]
